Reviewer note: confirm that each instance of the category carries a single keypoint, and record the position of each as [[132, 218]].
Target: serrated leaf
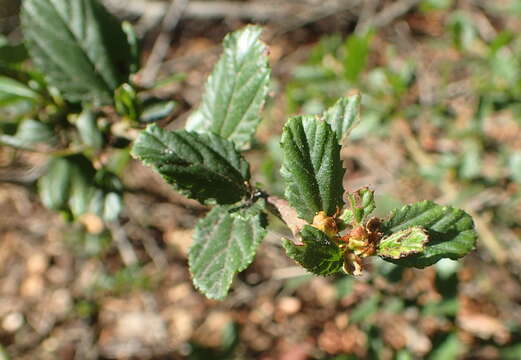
[[361, 203], [78, 45], [224, 244], [344, 115], [88, 129], [451, 231], [312, 168], [201, 166], [236, 90], [319, 255], [403, 243], [72, 184]]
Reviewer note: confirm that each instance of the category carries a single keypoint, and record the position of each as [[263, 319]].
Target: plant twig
[[128, 255], [391, 13], [162, 44]]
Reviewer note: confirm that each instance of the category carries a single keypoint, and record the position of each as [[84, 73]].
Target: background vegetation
[[441, 106]]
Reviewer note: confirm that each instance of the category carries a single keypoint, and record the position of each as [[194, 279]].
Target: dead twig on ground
[[128, 255], [162, 44], [391, 13]]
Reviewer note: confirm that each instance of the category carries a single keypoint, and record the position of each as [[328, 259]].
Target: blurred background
[[441, 120]]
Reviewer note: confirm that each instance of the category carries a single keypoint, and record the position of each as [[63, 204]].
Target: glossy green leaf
[[157, 111], [72, 184], [201, 166], [344, 115], [403, 243], [55, 184], [451, 231], [312, 168], [361, 205], [29, 132], [319, 255], [78, 45], [32, 132], [236, 90], [88, 129], [13, 89], [224, 244]]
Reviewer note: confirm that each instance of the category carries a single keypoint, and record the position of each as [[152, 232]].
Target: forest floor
[[427, 72]]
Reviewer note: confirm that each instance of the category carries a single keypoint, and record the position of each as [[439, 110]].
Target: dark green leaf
[[236, 90], [312, 168], [78, 45], [318, 255], [403, 243], [344, 115], [451, 231], [224, 243], [88, 129], [201, 166]]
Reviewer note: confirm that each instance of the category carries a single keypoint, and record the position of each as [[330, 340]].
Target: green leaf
[[29, 132], [312, 168], [344, 115], [451, 231], [72, 184], [79, 46], [33, 132], [357, 51], [236, 90], [127, 102], [157, 111], [12, 53], [201, 166], [55, 184], [133, 43], [361, 203], [88, 129], [403, 243], [224, 244], [13, 89], [319, 255], [514, 166]]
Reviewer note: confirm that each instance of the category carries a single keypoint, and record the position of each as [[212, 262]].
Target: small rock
[[289, 305], [12, 322]]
